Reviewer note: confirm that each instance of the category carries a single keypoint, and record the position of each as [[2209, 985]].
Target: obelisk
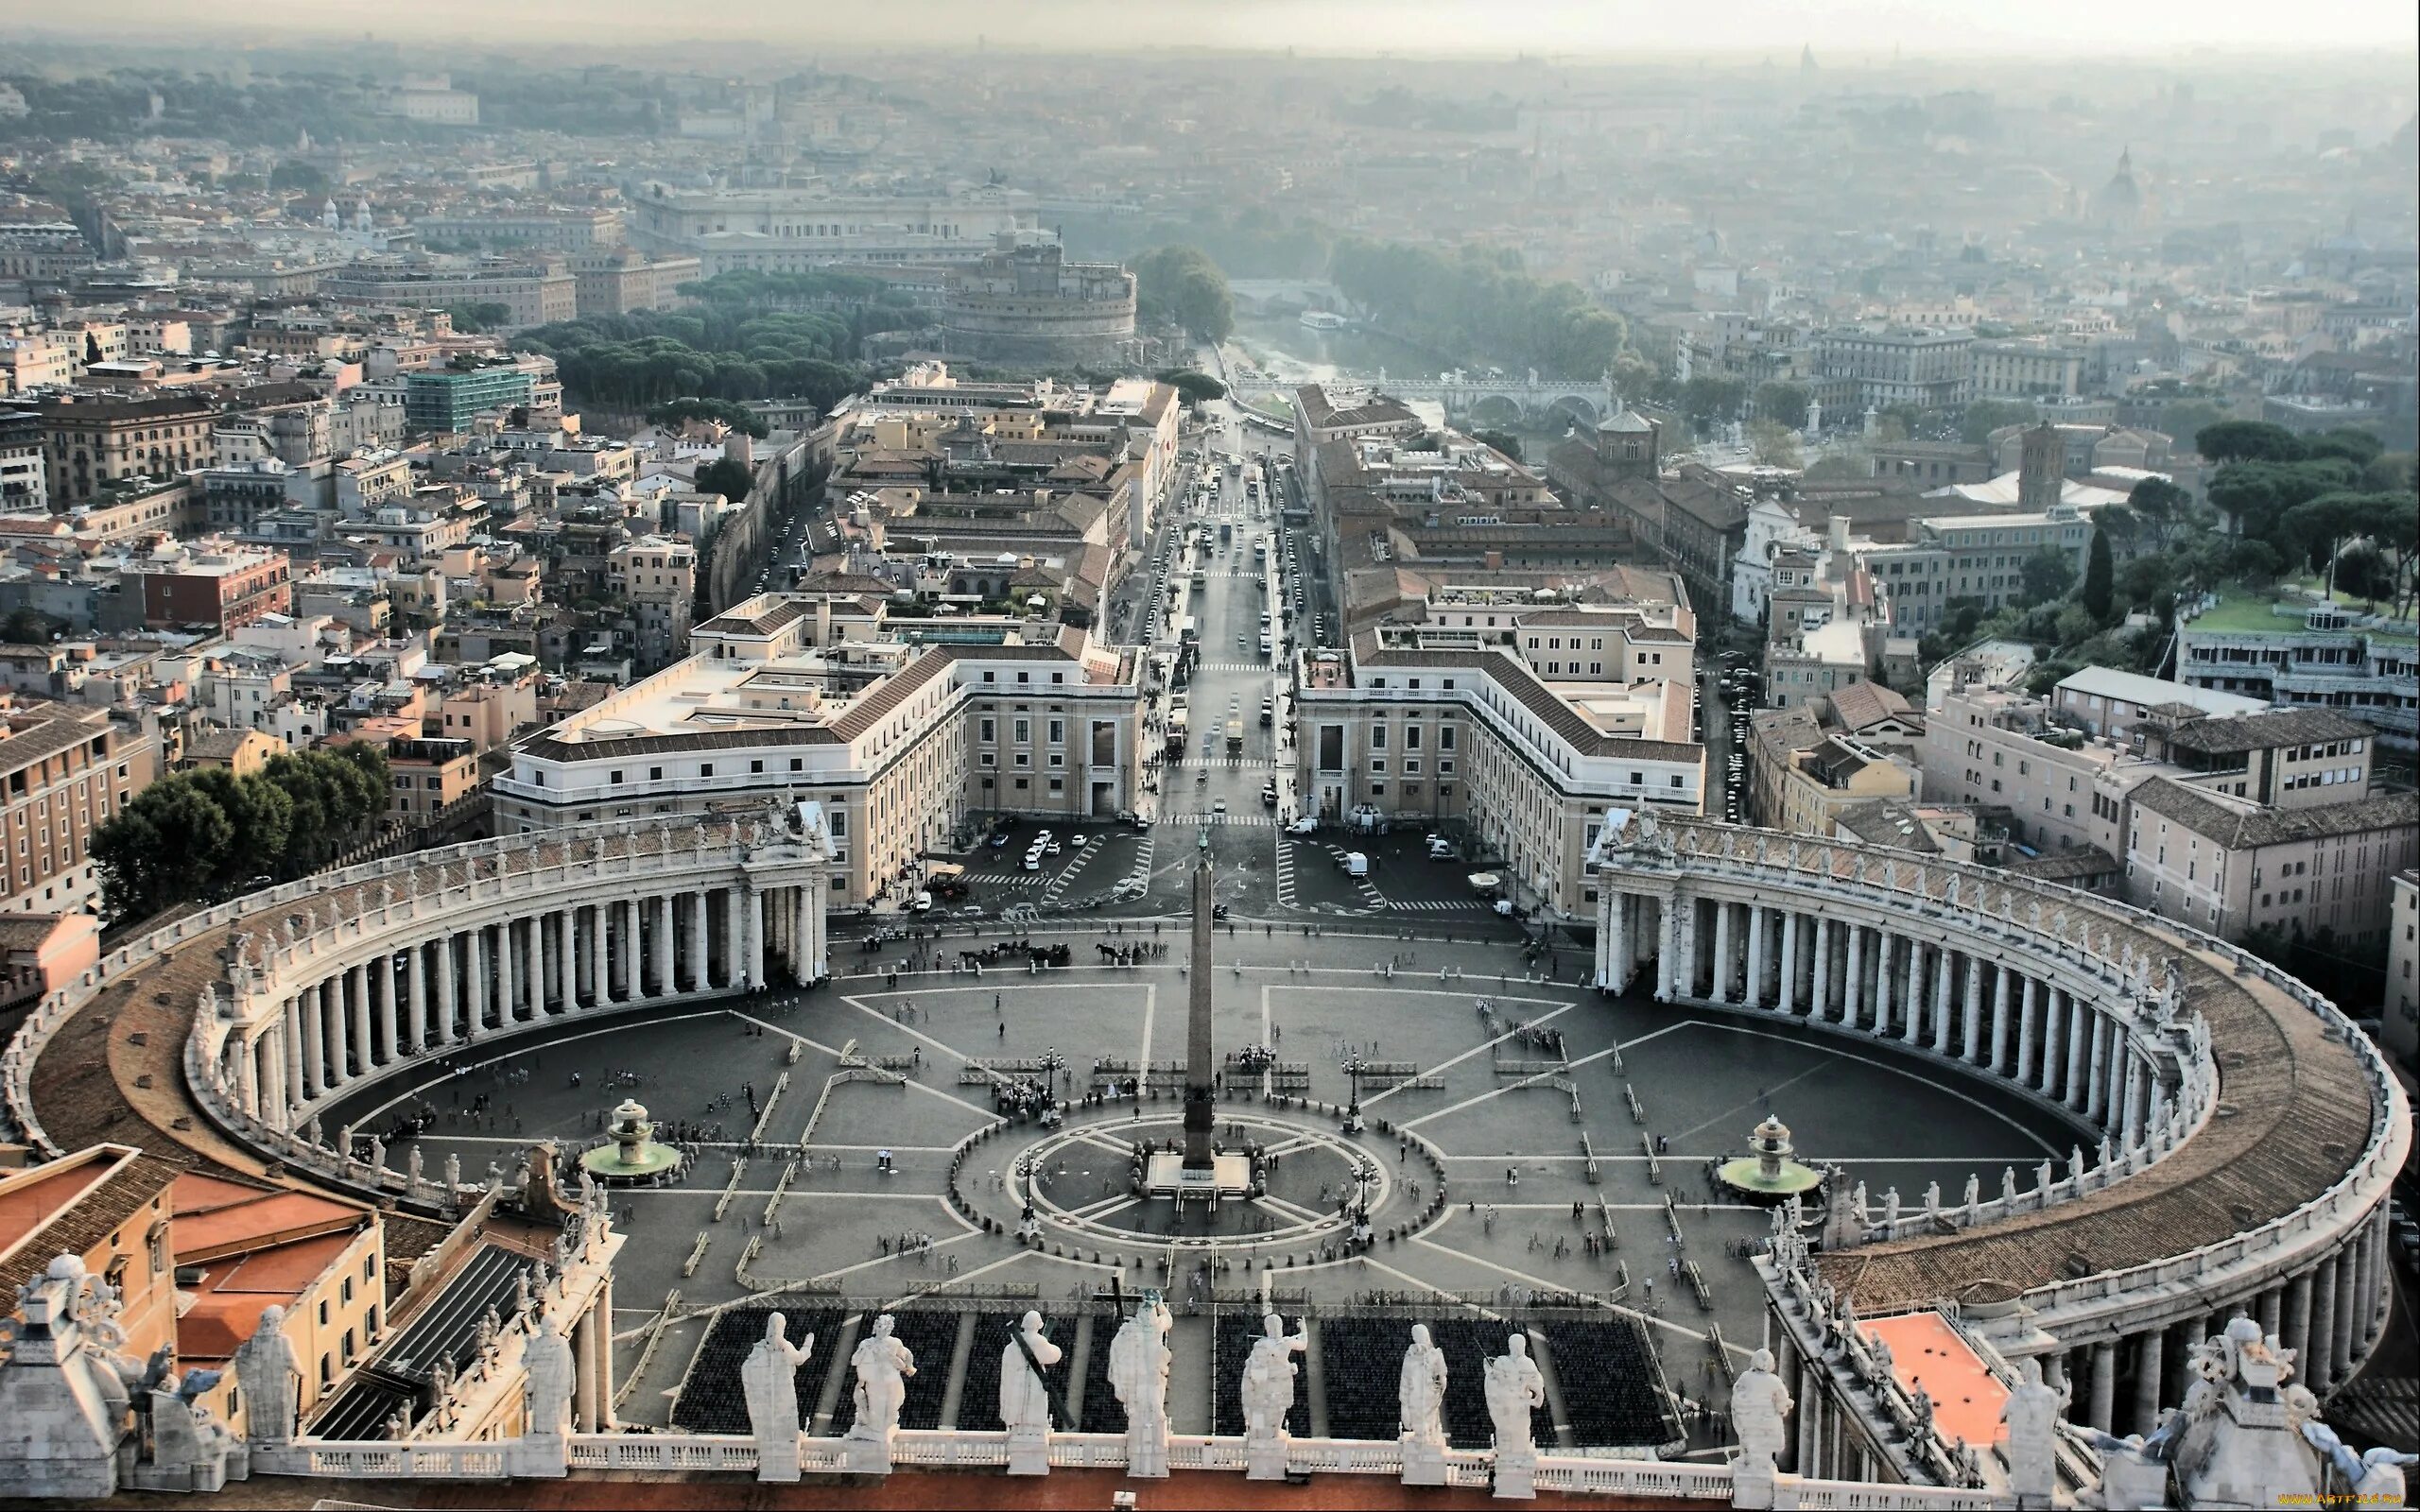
[[1200, 1064]]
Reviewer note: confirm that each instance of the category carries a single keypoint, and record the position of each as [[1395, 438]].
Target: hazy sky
[[1846, 28]]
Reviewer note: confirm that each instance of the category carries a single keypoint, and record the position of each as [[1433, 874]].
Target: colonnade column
[[1722, 992], [2027, 1025], [627, 913], [2348, 1308], [1883, 940], [1757, 922], [2103, 1403], [449, 995], [585, 1345], [1970, 1047], [1819, 998], [416, 995], [1668, 956], [474, 969], [698, 972], [1853, 988], [662, 907], [2319, 1365], [2097, 1077], [734, 939], [1942, 968], [2000, 1021], [1913, 1030], [1787, 1002], [2149, 1350], [567, 957], [756, 903], [2297, 1325], [302, 1047]]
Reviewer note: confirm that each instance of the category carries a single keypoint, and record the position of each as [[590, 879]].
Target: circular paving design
[[1078, 1183]]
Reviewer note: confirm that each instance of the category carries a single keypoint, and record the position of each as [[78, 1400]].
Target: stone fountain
[[633, 1155]]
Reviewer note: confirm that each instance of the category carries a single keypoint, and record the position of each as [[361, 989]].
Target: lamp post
[[1353, 1068]]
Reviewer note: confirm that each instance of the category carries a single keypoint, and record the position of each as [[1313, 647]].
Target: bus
[[1188, 631], [1235, 737]]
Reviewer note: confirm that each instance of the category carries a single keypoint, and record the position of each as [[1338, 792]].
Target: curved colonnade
[[2244, 1133], [319, 987]]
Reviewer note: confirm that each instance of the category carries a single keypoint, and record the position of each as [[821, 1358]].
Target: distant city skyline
[[1854, 33]]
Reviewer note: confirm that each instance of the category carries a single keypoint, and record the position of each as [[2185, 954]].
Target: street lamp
[[1353, 1068]]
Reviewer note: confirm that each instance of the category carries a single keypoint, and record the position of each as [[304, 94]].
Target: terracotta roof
[[1860, 704], [89, 1220]]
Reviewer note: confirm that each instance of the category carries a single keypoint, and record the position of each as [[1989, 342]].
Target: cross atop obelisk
[[1200, 1064]]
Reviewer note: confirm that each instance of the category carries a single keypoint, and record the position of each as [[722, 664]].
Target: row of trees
[[1181, 285], [205, 834], [642, 361], [1478, 304]]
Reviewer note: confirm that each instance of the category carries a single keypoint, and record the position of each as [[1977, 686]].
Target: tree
[[2161, 507], [1783, 403], [161, 849], [1985, 415], [1706, 401], [727, 477], [2247, 440], [475, 319], [2046, 575], [1504, 441], [737, 416], [1180, 285], [296, 176], [1192, 387], [2100, 579], [1772, 443]]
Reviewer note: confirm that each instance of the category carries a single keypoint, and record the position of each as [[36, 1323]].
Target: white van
[[1356, 864]]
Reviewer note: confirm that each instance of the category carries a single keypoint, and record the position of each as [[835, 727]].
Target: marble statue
[[882, 1365], [1138, 1373], [268, 1378], [1420, 1391], [1760, 1405], [1025, 1402], [2033, 1414], [1025, 1398], [1514, 1389], [190, 1449], [546, 1361], [1268, 1394], [2374, 1479], [769, 1380]]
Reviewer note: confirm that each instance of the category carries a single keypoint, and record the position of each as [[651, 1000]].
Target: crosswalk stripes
[[1238, 816], [1454, 905], [1228, 764], [1367, 890], [1067, 874], [1236, 666], [1285, 875], [1139, 874]]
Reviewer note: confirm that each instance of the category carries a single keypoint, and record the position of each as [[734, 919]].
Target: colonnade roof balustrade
[[2307, 1129], [111, 1056]]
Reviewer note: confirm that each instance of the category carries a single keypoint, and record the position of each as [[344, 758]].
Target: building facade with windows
[[901, 742], [1443, 728], [67, 770], [2230, 865], [2316, 657]]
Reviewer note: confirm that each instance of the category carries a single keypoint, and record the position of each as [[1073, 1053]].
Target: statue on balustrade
[[1420, 1394], [1268, 1394], [267, 1375], [1138, 1373], [1025, 1395], [1760, 1404], [1514, 1388], [882, 1365], [2032, 1415], [546, 1361], [769, 1380]]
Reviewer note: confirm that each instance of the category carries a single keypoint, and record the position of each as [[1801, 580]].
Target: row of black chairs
[[1612, 1384]]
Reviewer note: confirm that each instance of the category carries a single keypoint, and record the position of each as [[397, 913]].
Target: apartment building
[[1804, 776], [1927, 367], [2312, 656], [2026, 368], [66, 770], [901, 743], [2065, 788], [108, 1206], [558, 231], [532, 293], [1977, 558], [427, 775], [91, 442], [25, 481], [656, 576], [446, 400], [1439, 726], [2286, 759], [2229, 866], [214, 582], [2105, 701]]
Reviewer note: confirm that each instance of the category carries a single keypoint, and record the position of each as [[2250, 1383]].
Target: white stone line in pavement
[[1909, 1070], [1533, 1080], [433, 1060], [946, 1282], [1740, 1110], [1443, 1065], [1151, 1007], [939, 1245], [913, 1083]]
